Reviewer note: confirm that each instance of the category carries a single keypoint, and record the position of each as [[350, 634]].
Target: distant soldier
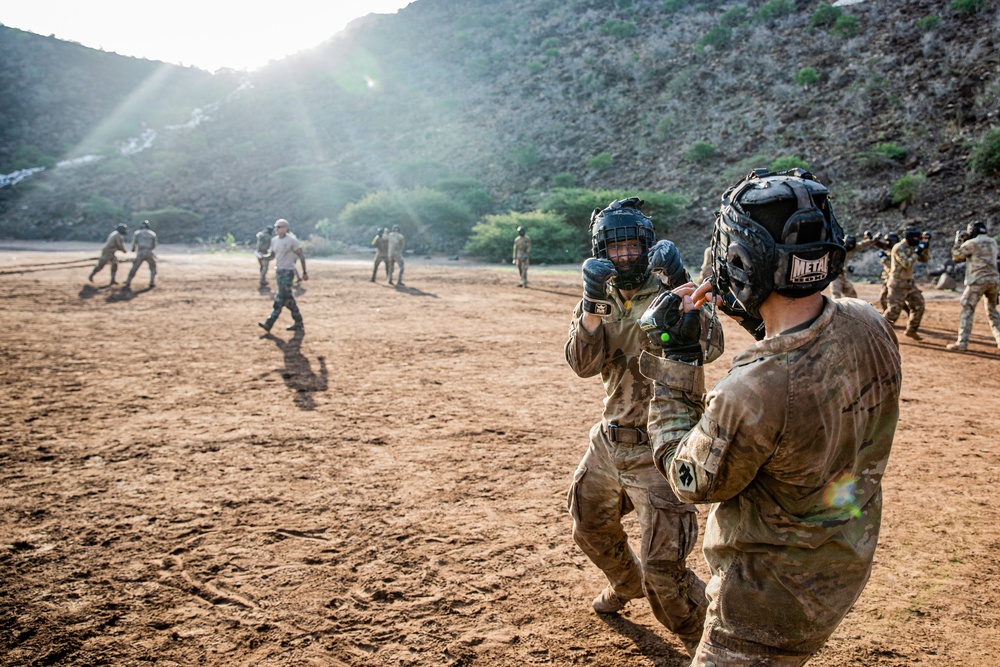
[[397, 243], [285, 248], [886, 244], [979, 252], [903, 290], [381, 245], [262, 253], [143, 244], [842, 285], [115, 243], [706, 265], [522, 254]]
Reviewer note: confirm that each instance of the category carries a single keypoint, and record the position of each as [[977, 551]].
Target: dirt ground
[[389, 488]]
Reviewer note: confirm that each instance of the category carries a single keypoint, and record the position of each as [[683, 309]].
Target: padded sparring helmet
[[122, 228], [521, 231], [892, 238], [144, 224], [975, 229], [395, 228], [850, 242], [912, 236], [622, 221], [775, 233]]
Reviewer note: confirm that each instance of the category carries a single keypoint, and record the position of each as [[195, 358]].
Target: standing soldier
[[791, 445], [263, 253], [381, 245], [886, 244], [842, 286], [285, 248], [616, 475], [979, 252], [903, 290], [397, 243], [115, 243], [143, 244], [522, 254], [706, 265]]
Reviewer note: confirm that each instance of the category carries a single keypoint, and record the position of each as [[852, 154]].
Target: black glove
[[850, 268], [596, 274], [868, 235], [921, 247], [676, 331], [753, 325], [927, 236], [882, 254], [665, 262]]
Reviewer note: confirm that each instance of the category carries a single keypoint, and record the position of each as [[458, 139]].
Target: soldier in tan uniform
[[381, 245], [791, 445], [522, 254], [842, 287], [886, 244], [706, 265], [903, 290], [263, 253], [982, 280], [285, 249], [397, 244], [115, 243], [616, 475], [143, 244]]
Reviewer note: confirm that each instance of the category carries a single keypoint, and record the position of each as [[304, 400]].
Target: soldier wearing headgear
[[903, 290], [791, 445], [115, 243], [263, 253], [841, 286], [522, 254], [886, 244], [381, 245], [706, 265], [397, 244], [143, 245], [616, 476], [982, 280]]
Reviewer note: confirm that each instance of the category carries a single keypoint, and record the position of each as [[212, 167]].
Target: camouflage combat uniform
[[903, 290], [263, 254], [283, 250], [143, 244], [981, 280], [522, 257], [617, 476], [381, 245], [115, 243], [841, 286], [790, 446], [706, 265], [396, 245]]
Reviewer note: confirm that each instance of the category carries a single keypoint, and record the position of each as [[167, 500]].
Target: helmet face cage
[[975, 229], [633, 230], [122, 229]]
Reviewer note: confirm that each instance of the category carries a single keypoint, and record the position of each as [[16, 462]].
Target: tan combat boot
[[608, 602], [957, 347]]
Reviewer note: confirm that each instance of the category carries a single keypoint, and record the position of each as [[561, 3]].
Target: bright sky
[[209, 34]]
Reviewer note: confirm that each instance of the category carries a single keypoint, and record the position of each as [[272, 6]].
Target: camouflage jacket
[[264, 242], [114, 243], [381, 245], [144, 240], [863, 244], [613, 351], [522, 247], [980, 257], [396, 244], [904, 257], [706, 265], [791, 446]]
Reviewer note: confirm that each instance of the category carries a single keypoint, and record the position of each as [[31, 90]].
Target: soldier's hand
[[868, 235], [673, 327], [305, 276], [596, 274], [927, 236], [921, 247], [665, 262]]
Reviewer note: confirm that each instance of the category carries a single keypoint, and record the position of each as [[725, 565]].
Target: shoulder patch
[[686, 479]]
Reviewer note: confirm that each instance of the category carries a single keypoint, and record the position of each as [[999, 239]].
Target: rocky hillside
[[670, 95]]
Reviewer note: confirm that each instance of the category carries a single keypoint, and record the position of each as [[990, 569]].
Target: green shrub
[[665, 127], [576, 204], [116, 166], [600, 162], [468, 191], [623, 4], [890, 150], [534, 67], [786, 162], [906, 188], [825, 16], [551, 43], [430, 220], [967, 6], [718, 37], [553, 240], [523, 155], [479, 67], [320, 246], [700, 152], [172, 224], [311, 193], [807, 76], [773, 9], [671, 6], [552, 53], [929, 23], [619, 29], [102, 209], [985, 157], [735, 17], [563, 180], [846, 27], [29, 157]]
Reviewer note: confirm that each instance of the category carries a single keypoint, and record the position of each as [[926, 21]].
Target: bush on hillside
[[553, 240], [103, 210], [719, 37], [29, 157], [600, 162], [968, 6], [906, 188], [172, 224], [929, 23], [468, 191], [825, 16], [430, 220], [985, 157], [773, 9], [891, 150], [619, 29], [846, 27], [786, 162], [575, 205], [735, 17], [700, 152], [807, 76]]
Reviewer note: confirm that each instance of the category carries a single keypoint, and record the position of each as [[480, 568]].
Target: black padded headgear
[[623, 220], [975, 229], [892, 238], [850, 242], [122, 228], [912, 236], [775, 233], [521, 231], [395, 228], [144, 224]]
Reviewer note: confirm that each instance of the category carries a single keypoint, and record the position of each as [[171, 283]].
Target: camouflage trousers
[[713, 655], [904, 294], [148, 257], [522, 270], [381, 259], [842, 287], [970, 297], [284, 298], [263, 262], [393, 261], [612, 480], [106, 260]]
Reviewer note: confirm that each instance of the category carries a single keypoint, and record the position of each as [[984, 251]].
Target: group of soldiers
[[389, 247], [143, 245]]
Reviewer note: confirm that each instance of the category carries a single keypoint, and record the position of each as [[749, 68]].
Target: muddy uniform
[[903, 290], [263, 254], [115, 243], [283, 250], [396, 245], [981, 280], [791, 446], [522, 255], [841, 286], [143, 245], [617, 474], [381, 245]]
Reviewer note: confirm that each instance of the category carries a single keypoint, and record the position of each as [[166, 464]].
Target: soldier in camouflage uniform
[[397, 243], [842, 287], [979, 252], [791, 445], [903, 290], [890, 240], [115, 243], [522, 254], [285, 248], [706, 265], [616, 475], [263, 253], [143, 244], [381, 245]]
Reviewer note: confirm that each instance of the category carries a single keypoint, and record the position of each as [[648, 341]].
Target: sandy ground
[[389, 488]]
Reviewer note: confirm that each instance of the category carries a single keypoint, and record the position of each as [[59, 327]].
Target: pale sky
[[209, 34]]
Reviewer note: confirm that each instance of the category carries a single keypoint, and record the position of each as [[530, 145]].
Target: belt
[[624, 435]]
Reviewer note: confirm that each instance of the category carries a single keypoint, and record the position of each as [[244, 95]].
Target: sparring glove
[[596, 274], [665, 262], [921, 247], [753, 325], [670, 327], [961, 237]]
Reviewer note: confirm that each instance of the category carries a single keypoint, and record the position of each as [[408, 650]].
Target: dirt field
[[389, 488]]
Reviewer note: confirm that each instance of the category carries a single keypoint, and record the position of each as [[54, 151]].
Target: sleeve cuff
[[672, 374]]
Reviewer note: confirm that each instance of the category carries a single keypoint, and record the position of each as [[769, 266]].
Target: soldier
[[706, 265], [115, 243], [285, 248], [143, 244], [616, 475], [886, 244], [903, 290], [792, 443], [381, 245], [522, 254], [842, 286], [979, 252], [262, 253], [397, 243]]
